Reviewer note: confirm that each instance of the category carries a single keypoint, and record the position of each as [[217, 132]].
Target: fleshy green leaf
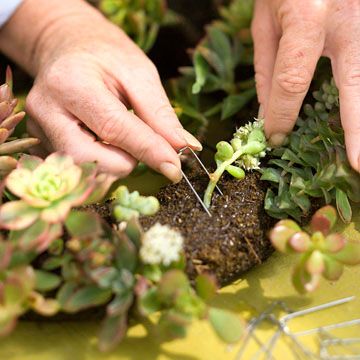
[[343, 206], [81, 223], [83, 298], [112, 332], [349, 254], [46, 281], [206, 286], [227, 325]]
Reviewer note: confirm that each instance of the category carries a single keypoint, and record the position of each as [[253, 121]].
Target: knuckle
[[165, 111], [293, 79], [32, 102], [352, 76], [112, 129]]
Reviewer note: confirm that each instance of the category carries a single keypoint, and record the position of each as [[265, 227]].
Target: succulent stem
[[215, 177]]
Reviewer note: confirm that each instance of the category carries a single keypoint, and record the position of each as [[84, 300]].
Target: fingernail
[[277, 140], [261, 112], [171, 172], [191, 140]]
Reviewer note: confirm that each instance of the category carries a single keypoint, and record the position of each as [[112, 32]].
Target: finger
[[64, 134], [45, 147], [113, 123], [266, 42], [300, 48], [346, 69], [147, 97]]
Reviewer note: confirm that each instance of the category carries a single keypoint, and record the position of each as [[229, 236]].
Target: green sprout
[[321, 252], [127, 205], [243, 152], [140, 19]]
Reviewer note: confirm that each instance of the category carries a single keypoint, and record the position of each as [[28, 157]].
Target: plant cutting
[[321, 252], [244, 151]]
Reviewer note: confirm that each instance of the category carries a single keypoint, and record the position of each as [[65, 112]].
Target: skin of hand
[[289, 38], [88, 73]]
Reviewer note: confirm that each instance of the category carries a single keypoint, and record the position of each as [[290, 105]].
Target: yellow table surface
[[257, 290]]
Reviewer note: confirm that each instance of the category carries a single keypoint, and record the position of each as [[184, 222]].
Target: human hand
[[88, 74], [289, 38]]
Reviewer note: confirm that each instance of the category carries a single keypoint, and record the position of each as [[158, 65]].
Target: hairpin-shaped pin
[[198, 197]]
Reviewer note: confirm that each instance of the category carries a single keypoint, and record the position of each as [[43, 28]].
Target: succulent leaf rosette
[[47, 191], [321, 252]]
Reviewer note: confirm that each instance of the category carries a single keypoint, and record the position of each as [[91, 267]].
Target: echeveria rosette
[[244, 151], [322, 253], [47, 190]]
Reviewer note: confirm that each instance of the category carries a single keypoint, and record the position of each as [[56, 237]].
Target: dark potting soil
[[230, 242]]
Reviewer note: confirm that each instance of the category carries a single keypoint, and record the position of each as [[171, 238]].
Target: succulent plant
[[161, 245], [321, 252], [244, 151], [236, 17], [47, 191], [19, 288], [9, 119], [215, 63], [106, 266], [140, 19], [127, 205], [313, 163]]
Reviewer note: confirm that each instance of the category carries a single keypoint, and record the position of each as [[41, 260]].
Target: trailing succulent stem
[[313, 163], [242, 153], [320, 251]]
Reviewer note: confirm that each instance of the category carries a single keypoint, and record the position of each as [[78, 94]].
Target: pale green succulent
[[128, 205], [47, 190], [243, 152]]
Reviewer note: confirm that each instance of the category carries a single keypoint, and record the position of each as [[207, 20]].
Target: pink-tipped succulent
[[322, 252], [47, 191], [9, 119], [18, 290]]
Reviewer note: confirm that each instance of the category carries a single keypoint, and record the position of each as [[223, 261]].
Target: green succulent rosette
[[47, 190]]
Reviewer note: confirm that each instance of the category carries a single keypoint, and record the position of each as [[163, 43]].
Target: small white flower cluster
[[250, 162], [243, 132], [247, 161], [161, 245]]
